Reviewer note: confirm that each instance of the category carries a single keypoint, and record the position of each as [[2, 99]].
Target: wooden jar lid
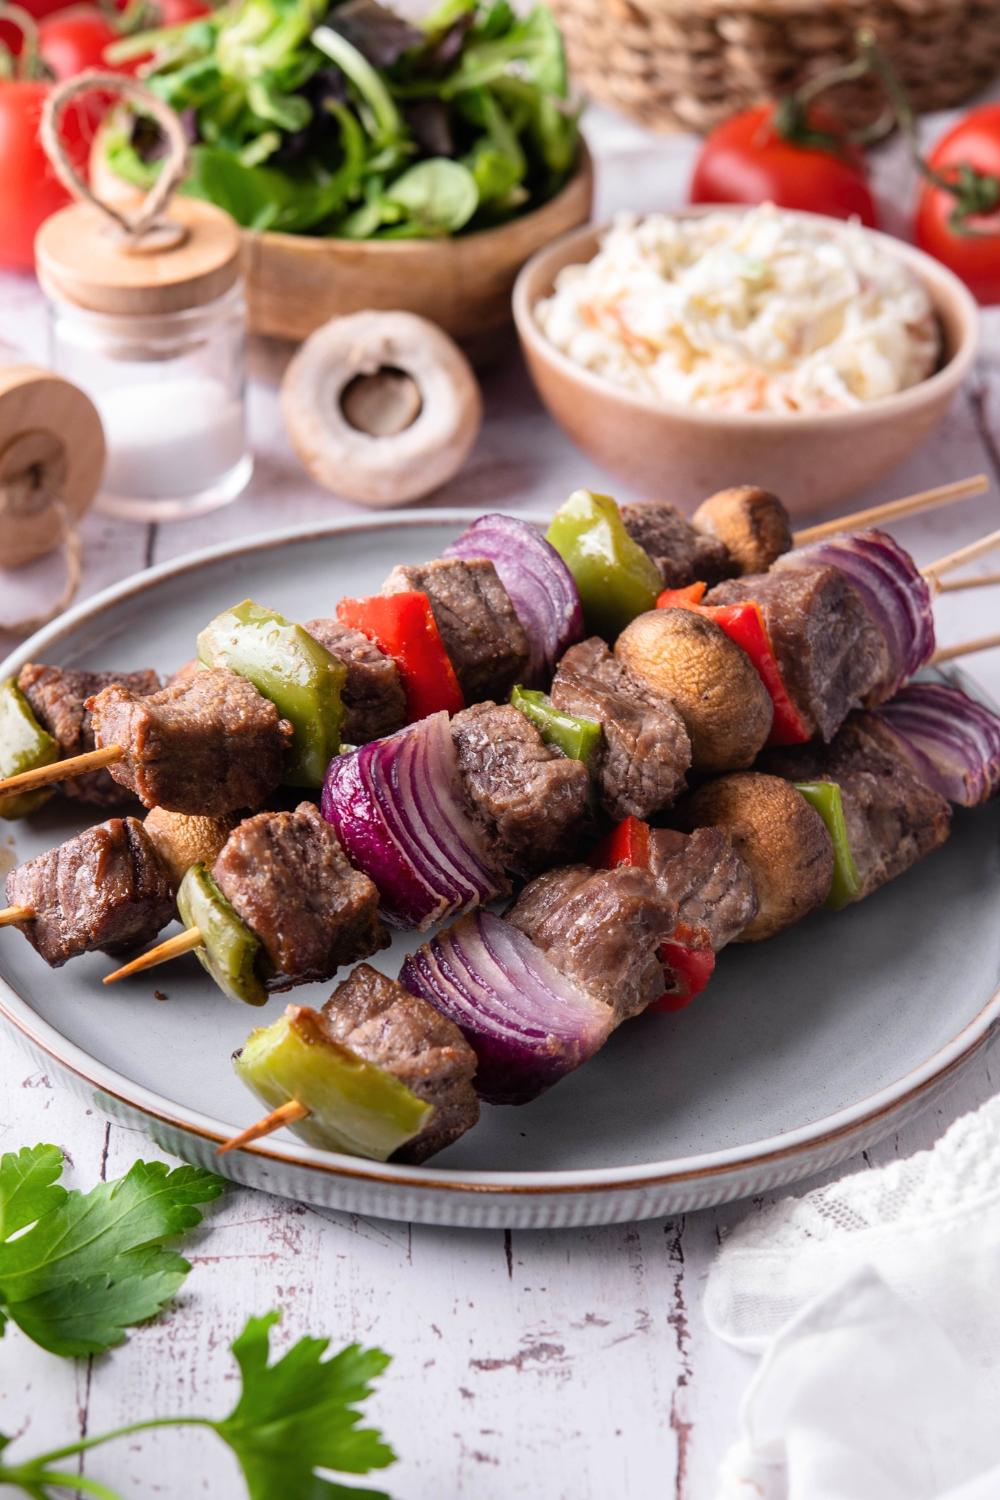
[[51, 444], [83, 258]]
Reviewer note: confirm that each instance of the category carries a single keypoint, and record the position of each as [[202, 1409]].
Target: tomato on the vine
[[747, 159], [75, 38], [29, 189], [970, 248]]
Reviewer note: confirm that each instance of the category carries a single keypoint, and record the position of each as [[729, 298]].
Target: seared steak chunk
[[105, 889], [58, 699], [682, 554], [479, 627], [827, 646], [373, 694], [644, 749], [207, 744], [383, 1023], [529, 801], [893, 818], [288, 878], [702, 873], [602, 929]]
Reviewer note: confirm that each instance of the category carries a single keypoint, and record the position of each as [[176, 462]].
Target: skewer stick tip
[[172, 948], [11, 914], [60, 770], [895, 510], [286, 1114]]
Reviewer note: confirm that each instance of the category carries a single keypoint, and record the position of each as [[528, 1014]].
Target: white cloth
[[876, 1302]]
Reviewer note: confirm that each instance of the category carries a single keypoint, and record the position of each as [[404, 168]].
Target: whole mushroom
[[688, 659], [781, 839], [381, 407], [751, 522]]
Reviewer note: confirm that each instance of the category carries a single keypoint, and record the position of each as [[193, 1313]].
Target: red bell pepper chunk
[[689, 960], [628, 844], [744, 625], [682, 598], [403, 626]]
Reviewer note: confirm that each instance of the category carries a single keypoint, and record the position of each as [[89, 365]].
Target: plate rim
[[927, 1077]]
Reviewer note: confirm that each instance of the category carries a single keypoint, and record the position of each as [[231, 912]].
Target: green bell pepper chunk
[[353, 1105], [229, 950], [576, 738], [825, 797], [616, 579], [285, 664], [24, 745]]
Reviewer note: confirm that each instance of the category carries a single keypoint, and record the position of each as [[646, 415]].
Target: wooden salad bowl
[[296, 282]]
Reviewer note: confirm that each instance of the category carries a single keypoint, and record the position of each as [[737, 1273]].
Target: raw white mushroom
[[381, 407]]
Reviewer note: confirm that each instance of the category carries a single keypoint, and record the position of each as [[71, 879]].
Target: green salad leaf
[[346, 120], [77, 1269]]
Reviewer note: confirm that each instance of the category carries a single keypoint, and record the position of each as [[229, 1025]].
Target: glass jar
[[170, 388]]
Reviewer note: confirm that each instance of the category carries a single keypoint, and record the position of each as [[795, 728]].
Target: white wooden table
[[556, 1365]]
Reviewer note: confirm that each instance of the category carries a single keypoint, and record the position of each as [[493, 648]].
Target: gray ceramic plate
[[802, 1051]]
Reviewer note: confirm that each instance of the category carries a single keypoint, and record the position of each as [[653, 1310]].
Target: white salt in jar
[[149, 318]]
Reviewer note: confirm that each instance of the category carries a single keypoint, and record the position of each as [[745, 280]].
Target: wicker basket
[[687, 64]]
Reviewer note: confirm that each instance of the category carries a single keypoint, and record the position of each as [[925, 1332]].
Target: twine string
[[175, 167]]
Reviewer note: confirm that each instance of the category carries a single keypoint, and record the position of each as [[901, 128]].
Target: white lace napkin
[[877, 1301]]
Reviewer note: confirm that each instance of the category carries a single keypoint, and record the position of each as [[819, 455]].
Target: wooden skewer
[[183, 942], [894, 510], [61, 770], [285, 1115], [935, 570], [11, 914], [979, 581], [964, 648]]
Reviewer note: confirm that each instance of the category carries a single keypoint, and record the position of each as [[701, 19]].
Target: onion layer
[[399, 813], [527, 1024], [952, 742], [896, 596], [540, 586]]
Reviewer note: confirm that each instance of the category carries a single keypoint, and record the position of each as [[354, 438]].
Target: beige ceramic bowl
[[681, 455]]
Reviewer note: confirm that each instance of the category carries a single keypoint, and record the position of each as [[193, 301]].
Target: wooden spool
[[51, 461]]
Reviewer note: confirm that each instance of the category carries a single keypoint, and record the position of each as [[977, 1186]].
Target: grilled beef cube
[[58, 700], [828, 648], [373, 694], [206, 745], [682, 554], [479, 627], [530, 802], [383, 1023], [289, 879], [602, 929], [893, 818], [105, 889], [705, 877], [644, 749]]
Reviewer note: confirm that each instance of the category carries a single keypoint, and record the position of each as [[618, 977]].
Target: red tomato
[[176, 12], [745, 160], [75, 38], [975, 256], [29, 189]]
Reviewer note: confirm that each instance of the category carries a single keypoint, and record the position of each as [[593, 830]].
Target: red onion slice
[[896, 596], [541, 587], [952, 742], [526, 1023], [398, 811]]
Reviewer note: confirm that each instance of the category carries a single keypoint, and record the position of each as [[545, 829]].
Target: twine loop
[[175, 168]]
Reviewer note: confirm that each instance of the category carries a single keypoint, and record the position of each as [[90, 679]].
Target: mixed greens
[[352, 122]]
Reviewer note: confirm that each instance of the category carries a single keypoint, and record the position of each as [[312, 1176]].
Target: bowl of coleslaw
[[690, 351]]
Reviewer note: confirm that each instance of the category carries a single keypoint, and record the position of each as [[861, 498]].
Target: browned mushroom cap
[[782, 840], [182, 841], [686, 658], [751, 522]]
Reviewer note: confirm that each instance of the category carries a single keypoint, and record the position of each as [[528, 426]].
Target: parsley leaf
[[292, 1418], [92, 1264], [296, 1416]]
